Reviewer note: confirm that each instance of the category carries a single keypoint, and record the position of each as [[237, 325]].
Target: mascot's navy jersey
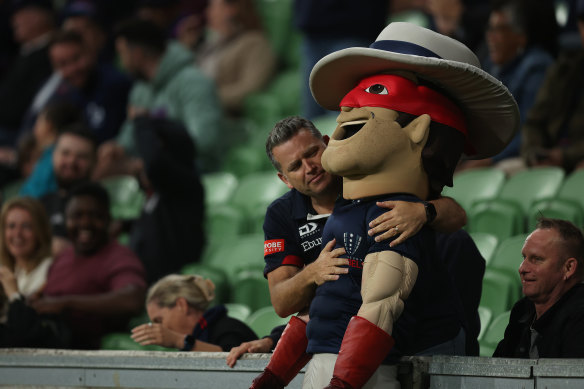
[[336, 302]]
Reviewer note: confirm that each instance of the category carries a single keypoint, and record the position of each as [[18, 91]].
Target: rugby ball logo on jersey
[[352, 242]]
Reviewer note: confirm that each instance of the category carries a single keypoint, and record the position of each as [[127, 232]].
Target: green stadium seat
[[238, 311], [486, 243], [475, 185], [529, 186], [218, 187], [499, 218], [223, 222], [276, 18], [250, 287], [498, 292], [215, 274], [126, 196], [245, 159], [241, 252], [573, 188], [556, 208], [508, 258], [326, 124], [264, 320], [494, 334], [485, 315], [257, 191]]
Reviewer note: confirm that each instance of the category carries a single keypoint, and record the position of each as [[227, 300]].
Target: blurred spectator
[[32, 26], [87, 19], [553, 130], [97, 284], [169, 232], [73, 162], [50, 122], [332, 25], [170, 87], [522, 38], [25, 247], [25, 258], [178, 309], [100, 89], [237, 54]]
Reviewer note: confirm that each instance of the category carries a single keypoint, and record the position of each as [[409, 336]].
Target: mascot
[[410, 105]]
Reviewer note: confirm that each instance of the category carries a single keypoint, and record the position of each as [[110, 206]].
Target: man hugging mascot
[[410, 105]]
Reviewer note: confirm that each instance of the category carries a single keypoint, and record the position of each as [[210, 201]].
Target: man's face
[[72, 62], [73, 159], [299, 159], [93, 36], [542, 273], [87, 224], [129, 58], [504, 43]]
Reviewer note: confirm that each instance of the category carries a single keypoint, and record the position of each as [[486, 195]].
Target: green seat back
[[264, 320], [238, 311], [508, 258], [494, 334], [126, 196], [498, 292], [529, 186], [485, 315], [475, 185], [326, 124], [496, 217], [251, 288], [486, 243], [218, 187], [223, 221], [556, 208]]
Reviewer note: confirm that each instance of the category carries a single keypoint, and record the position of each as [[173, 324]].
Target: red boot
[[288, 358], [363, 349]]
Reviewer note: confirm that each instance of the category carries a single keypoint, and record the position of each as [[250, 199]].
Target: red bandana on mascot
[[410, 105]]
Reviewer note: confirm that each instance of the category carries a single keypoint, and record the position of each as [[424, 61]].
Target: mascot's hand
[[408, 217]]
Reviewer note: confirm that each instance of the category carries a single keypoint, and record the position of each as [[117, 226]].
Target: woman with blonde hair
[[25, 247], [178, 309]]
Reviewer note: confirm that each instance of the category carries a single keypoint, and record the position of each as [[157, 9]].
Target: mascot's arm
[[388, 279]]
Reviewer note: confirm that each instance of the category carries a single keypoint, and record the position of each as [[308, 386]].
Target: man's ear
[[570, 267], [325, 139], [419, 128], [285, 180], [182, 304]]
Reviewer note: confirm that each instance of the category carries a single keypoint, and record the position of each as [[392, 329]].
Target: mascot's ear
[[419, 128]]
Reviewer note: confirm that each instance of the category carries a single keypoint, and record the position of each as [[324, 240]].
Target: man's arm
[[126, 300], [410, 218], [292, 289]]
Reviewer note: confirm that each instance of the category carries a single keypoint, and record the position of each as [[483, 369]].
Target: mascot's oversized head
[[410, 104]]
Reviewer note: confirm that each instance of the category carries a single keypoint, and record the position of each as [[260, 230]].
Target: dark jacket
[[560, 329]]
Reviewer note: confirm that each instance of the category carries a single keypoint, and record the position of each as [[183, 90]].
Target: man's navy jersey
[[429, 315], [293, 232]]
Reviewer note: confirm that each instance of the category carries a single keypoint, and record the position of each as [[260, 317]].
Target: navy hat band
[[402, 47]]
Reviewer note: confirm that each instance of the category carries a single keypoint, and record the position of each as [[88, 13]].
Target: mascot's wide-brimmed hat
[[492, 115]]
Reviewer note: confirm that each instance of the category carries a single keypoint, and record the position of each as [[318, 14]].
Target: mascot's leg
[[288, 358], [388, 278]]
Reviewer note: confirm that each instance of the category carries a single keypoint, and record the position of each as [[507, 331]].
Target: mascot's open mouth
[[351, 128]]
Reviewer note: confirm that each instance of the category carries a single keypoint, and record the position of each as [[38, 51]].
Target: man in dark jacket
[[549, 321]]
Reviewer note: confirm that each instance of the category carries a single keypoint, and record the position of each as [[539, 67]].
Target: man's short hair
[[284, 130], [62, 114], [572, 244], [81, 130], [144, 34], [67, 37], [93, 190]]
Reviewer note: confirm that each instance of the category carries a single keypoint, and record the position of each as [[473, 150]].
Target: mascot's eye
[[377, 89]]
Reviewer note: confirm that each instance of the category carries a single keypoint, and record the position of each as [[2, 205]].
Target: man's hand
[[327, 266], [154, 333], [408, 217], [255, 346]]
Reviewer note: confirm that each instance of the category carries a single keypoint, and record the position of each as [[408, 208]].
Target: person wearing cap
[[409, 105]]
